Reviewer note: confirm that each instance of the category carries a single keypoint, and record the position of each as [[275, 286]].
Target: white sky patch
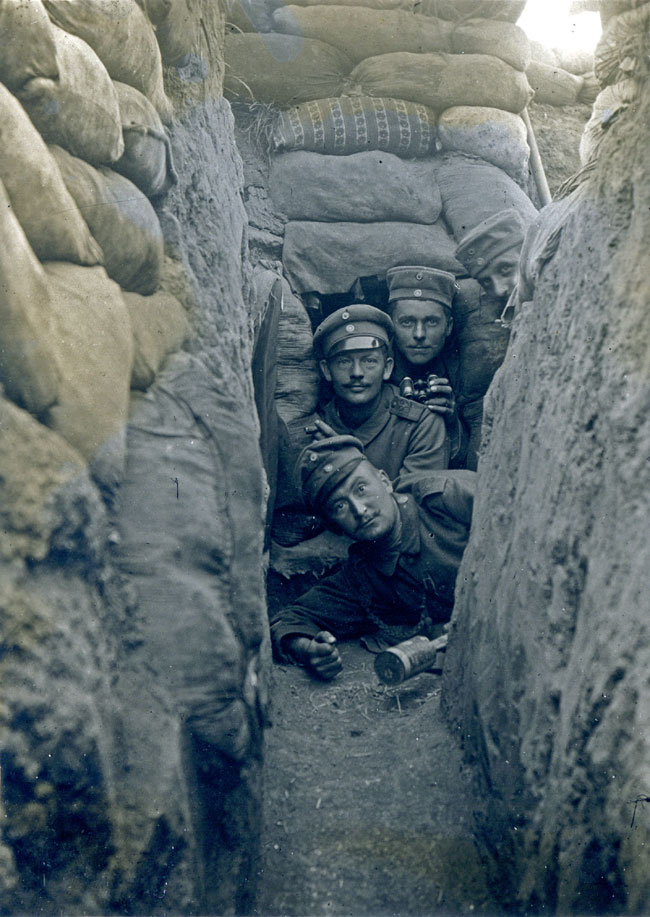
[[549, 22]]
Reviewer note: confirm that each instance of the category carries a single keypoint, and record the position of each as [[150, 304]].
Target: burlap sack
[[39, 198], [610, 102], [175, 25], [248, 16], [362, 187], [27, 46], [442, 81], [147, 158], [93, 346], [553, 85], [454, 10], [489, 36], [329, 257], [120, 218], [160, 327], [362, 33], [623, 46], [497, 136], [357, 123], [577, 61], [472, 191], [408, 5], [79, 110], [284, 69], [123, 39], [28, 373]]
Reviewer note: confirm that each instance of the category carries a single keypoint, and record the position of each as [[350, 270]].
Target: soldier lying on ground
[[400, 574]]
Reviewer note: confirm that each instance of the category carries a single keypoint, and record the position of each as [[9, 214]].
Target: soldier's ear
[[324, 368], [388, 368], [386, 480]]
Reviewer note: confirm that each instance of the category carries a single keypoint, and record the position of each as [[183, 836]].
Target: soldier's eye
[[407, 322]]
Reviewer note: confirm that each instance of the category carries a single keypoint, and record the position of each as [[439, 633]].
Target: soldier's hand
[[440, 397], [320, 655], [320, 430]]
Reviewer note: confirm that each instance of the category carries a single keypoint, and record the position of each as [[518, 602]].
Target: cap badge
[[328, 468], [417, 292], [418, 276], [345, 315], [349, 328], [313, 457]]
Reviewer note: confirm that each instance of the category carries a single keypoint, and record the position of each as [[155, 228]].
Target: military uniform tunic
[[401, 436], [380, 583]]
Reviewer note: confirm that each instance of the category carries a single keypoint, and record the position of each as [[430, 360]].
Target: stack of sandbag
[[82, 150], [620, 64], [561, 76]]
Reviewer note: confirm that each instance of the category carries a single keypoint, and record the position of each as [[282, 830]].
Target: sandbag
[[329, 257], [78, 110], [249, 16], [623, 46], [610, 8], [174, 23], [28, 372], [38, 195], [575, 60], [353, 124], [544, 55], [611, 101], [362, 187], [408, 5], [298, 378], [361, 33], [123, 39], [160, 327], [147, 158], [486, 36], [553, 85], [497, 136], [454, 10], [442, 81], [92, 343], [284, 69], [472, 191], [27, 47], [121, 219], [482, 339]]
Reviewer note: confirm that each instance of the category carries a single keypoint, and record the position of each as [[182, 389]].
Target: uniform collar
[[371, 427]]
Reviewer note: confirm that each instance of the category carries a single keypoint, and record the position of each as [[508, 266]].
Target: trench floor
[[368, 805]]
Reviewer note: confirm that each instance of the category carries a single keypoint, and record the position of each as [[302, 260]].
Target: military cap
[[323, 465], [355, 327], [491, 238], [413, 282]]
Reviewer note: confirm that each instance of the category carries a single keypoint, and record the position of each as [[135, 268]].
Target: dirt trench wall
[[546, 675], [133, 620]]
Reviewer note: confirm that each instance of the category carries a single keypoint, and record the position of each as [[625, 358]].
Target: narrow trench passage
[[368, 805]]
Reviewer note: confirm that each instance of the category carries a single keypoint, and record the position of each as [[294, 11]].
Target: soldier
[[420, 304], [399, 436], [490, 252], [400, 574]]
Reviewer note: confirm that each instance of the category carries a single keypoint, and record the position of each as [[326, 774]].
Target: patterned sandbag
[[121, 219], [361, 187], [284, 69], [497, 136], [123, 39], [444, 80], [329, 257], [147, 159], [352, 124], [454, 10], [27, 46], [78, 110], [39, 198], [472, 191]]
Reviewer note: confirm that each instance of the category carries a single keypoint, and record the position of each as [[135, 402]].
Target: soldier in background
[[490, 252]]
